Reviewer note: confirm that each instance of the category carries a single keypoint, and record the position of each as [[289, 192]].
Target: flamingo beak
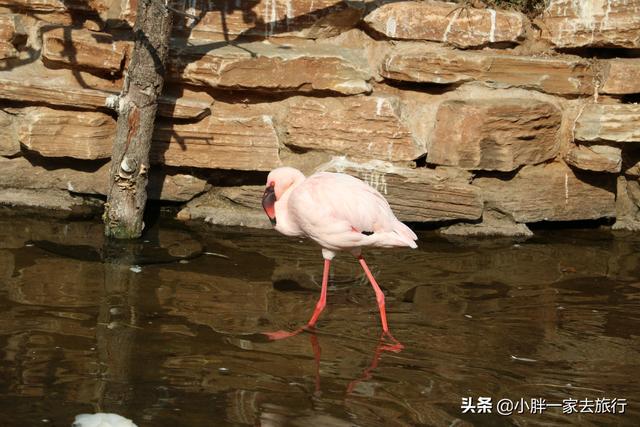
[[268, 203]]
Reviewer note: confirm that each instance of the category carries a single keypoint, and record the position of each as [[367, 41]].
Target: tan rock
[[621, 76], [592, 23], [274, 18], [267, 67], [56, 203], [627, 204], [598, 158], [428, 64], [220, 141], [550, 192], [9, 144], [416, 194], [459, 25], [7, 35], [494, 134], [84, 49], [361, 127], [79, 89], [7, 27], [608, 123], [59, 133], [493, 224], [19, 173], [7, 50], [58, 5]]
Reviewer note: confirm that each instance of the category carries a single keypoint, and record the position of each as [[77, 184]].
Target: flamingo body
[[337, 211]]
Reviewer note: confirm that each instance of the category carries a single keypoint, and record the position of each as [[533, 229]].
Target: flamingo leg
[[378, 291], [397, 346], [322, 302]]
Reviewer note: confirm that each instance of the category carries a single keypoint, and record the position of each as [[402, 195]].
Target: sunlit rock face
[[592, 23], [461, 26], [440, 103]]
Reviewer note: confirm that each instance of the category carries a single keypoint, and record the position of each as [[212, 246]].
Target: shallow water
[[167, 332]]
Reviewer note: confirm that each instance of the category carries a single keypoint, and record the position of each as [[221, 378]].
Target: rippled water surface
[[168, 332]]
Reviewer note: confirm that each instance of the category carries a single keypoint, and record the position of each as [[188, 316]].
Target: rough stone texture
[[447, 22], [56, 203], [83, 49], [550, 192], [267, 67], [494, 134], [621, 76], [219, 141], [275, 18], [19, 173], [57, 133], [416, 194], [362, 127], [58, 5], [9, 144], [73, 89], [7, 35], [592, 23], [627, 204], [429, 64], [493, 224], [228, 206], [598, 158], [608, 123]]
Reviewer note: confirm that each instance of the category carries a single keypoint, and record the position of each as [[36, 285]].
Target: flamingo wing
[[341, 212]]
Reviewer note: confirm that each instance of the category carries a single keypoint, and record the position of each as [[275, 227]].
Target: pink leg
[[379, 294], [322, 302], [383, 313]]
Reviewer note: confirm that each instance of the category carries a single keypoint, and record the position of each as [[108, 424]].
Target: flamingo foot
[[389, 343]]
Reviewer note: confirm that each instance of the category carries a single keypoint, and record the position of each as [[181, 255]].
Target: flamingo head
[[278, 182]]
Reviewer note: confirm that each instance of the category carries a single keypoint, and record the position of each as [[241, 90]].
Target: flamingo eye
[[271, 184]]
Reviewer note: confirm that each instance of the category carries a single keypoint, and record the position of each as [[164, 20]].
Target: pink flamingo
[[339, 212]]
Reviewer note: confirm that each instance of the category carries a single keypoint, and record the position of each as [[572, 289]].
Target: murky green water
[[175, 340]]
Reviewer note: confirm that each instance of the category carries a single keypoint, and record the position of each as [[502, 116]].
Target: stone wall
[[479, 120]]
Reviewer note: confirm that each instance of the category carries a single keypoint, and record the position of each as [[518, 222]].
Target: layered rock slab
[[592, 23], [81, 90], [361, 127], [597, 158], [270, 67], [550, 192], [616, 123], [621, 76], [452, 23], [248, 142], [20, 173], [80, 48], [274, 18], [432, 64], [494, 134], [58, 133]]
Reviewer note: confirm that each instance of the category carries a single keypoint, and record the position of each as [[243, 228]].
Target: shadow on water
[[173, 335]]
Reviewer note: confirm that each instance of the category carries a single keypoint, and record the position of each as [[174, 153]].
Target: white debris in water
[[135, 268], [184, 261], [102, 420], [468, 316], [216, 254], [29, 245], [522, 359], [379, 104]]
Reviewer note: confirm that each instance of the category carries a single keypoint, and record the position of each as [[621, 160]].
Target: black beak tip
[[273, 221]]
